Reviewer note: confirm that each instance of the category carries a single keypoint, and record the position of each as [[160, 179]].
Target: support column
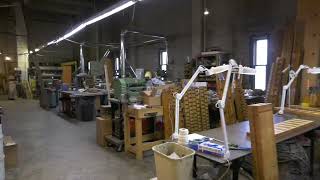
[[197, 16], [22, 42]]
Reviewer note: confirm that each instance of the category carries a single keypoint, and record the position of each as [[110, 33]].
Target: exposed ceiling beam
[[55, 10], [79, 3]]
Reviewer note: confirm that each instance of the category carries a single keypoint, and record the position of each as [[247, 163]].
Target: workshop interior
[[159, 89]]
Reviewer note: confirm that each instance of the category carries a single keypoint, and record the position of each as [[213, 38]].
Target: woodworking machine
[[128, 89]]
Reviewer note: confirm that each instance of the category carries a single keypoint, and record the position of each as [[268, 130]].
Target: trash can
[[173, 161], [86, 110]]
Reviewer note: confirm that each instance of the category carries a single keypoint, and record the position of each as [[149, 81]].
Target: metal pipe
[[143, 34], [133, 72], [122, 55], [166, 44], [145, 42], [123, 51], [81, 59], [204, 30]]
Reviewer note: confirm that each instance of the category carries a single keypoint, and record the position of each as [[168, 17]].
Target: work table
[[238, 134], [81, 94]]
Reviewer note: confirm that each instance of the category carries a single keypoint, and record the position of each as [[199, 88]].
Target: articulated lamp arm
[[286, 87], [232, 67], [208, 72], [179, 97]]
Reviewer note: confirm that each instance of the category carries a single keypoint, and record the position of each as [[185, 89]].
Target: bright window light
[[262, 52], [261, 62], [260, 78]]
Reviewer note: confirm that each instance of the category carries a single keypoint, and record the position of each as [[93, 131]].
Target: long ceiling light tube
[[102, 15]]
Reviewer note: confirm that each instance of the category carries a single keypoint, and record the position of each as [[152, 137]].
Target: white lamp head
[[246, 70], [314, 70]]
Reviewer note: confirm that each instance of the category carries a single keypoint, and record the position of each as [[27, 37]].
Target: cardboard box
[[10, 151], [152, 100], [146, 93], [104, 127]]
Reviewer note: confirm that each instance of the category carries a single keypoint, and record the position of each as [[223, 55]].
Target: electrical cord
[[225, 173], [293, 153]]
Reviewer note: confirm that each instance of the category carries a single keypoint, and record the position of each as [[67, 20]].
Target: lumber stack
[[194, 112], [229, 110], [240, 102], [308, 16], [168, 103], [236, 106], [274, 90], [188, 70], [195, 109]]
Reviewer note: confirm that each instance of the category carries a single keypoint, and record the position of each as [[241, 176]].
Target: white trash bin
[[169, 167]]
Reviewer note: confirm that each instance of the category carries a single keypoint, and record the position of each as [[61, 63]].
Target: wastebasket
[[86, 110], [169, 167]]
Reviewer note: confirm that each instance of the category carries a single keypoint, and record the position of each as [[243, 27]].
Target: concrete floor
[[52, 148]]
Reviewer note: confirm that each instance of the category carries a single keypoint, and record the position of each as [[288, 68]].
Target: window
[[164, 60], [260, 60]]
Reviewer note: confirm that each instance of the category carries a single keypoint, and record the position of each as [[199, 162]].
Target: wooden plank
[[311, 54], [67, 74], [301, 113], [308, 9], [275, 86], [263, 142], [127, 138], [139, 151], [240, 102], [288, 127], [146, 137], [168, 123], [148, 145]]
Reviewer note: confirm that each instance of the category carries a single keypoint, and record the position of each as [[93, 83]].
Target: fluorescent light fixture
[[0, 52], [51, 42], [30, 52], [206, 12], [79, 28], [36, 49], [114, 9], [7, 58]]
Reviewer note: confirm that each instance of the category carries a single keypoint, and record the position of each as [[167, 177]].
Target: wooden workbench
[[301, 112], [139, 144], [237, 134], [83, 94]]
